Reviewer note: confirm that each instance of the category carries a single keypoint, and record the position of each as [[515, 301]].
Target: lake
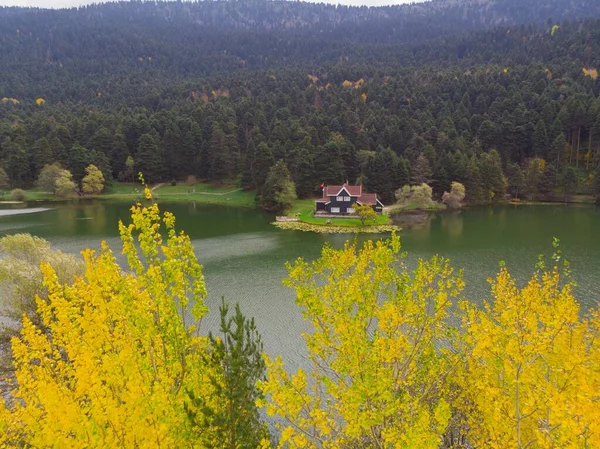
[[244, 256]]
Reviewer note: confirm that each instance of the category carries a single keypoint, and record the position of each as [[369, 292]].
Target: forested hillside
[[499, 95]]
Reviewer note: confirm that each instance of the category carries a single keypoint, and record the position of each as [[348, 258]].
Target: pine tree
[[421, 172], [263, 161], [236, 358], [42, 154], [557, 151], [219, 157], [492, 177], [548, 181], [147, 159], [301, 168], [329, 164], [516, 180], [279, 191], [540, 140], [117, 157], [473, 183], [17, 164], [569, 180]]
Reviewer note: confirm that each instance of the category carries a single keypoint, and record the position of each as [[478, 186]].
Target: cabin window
[[350, 210], [347, 198], [340, 198], [335, 210]]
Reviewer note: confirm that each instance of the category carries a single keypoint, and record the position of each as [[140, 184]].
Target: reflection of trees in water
[[67, 218], [453, 222], [411, 221], [96, 215]]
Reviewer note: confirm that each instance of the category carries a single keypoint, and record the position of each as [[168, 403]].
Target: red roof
[[368, 198], [334, 190]]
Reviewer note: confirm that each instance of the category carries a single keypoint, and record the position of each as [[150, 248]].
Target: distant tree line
[[501, 111]]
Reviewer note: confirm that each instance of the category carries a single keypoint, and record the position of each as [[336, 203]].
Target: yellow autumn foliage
[[555, 28], [592, 73], [377, 379], [531, 377], [117, 352], [10, 100]]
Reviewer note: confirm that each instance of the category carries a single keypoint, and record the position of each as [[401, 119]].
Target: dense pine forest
[[498, 95]]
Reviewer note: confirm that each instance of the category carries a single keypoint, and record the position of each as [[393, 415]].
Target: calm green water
[[244, 256]]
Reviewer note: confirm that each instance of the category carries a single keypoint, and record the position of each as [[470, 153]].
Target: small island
[[342, 209]]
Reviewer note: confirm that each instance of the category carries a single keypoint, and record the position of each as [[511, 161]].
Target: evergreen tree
[[263, 161], [17, 164], [473, 183], [78, 159], [516, 180], [421, 172], [118, 156], [329, 164], [41, 154], [540, 140], [301, 168], [549, 180], [492, 177], [569, 180], [220, 158], [148, 160], [279, 191], [236, 356]]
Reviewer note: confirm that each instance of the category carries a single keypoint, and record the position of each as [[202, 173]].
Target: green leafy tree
[[365, 213], [65, 186], [93, 181], [129, 169], [46, 181], [455, 197], [236, 355], [279, 192]]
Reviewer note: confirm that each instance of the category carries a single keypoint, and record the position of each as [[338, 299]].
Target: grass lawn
[[30, 195], [204, 193], [306, 207]]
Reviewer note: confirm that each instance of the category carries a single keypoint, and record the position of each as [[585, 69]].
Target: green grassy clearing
[[30, 195], [204, 193]]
